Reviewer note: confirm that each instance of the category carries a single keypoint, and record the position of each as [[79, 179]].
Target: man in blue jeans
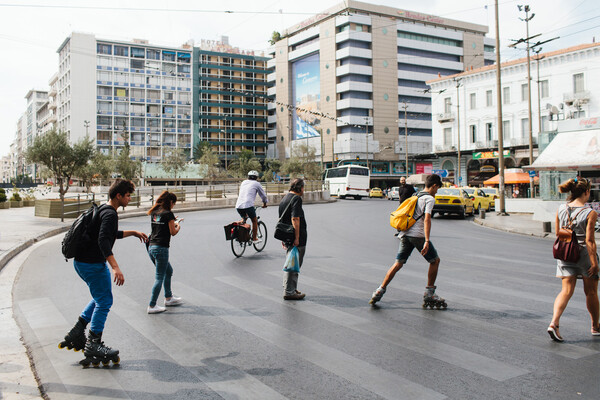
[[90, 264], [418, 236]]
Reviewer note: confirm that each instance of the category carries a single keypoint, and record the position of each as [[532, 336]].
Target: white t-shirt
[[425, 202], [248, 191]]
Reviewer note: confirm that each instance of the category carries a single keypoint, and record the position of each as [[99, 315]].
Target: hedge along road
[[235, 338]]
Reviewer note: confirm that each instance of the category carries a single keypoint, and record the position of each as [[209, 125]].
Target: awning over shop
[[575, 150], [511, 178]]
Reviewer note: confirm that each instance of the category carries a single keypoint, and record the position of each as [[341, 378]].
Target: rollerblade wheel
[[116, 360], [85, 363], [61, 345], [424, 305], [105, 363], [96, 363]]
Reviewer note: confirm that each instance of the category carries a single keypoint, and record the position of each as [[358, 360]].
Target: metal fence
[[145, 196]]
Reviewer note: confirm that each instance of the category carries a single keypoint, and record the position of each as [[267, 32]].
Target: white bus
[[348, 180]]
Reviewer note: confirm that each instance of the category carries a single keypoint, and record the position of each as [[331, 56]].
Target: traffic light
[[357, 158]]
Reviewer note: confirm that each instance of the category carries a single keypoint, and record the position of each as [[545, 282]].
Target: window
[[103, 48], [137, 52], [506, 129], [137, 64], [447, 105], [104, 91], [104, 61], [138, 93], [430, 39], [524, 92], [506, 95], [121, 107], [168, 55], [121, 51], [104, 106], [153, 54], [473, 133], [358, 171], [104, 76], [524, 127], [544, 89], [447, 136], [473, 100], [488, 98], [545, 123], [489, 132], [578, 86]]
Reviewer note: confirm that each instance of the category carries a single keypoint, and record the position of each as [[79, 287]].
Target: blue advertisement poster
[[307, 96]]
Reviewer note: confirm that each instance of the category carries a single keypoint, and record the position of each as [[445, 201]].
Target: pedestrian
[[245, 202], [291, 212], [418, 236], [584, 221], [164, 225], [405, 190], [90, 264]]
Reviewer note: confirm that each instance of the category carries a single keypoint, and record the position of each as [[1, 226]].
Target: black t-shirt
[[295, 211], [161, 234], [405, 192], [101, 244]]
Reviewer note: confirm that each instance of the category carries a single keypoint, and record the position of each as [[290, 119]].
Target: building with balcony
[[466, 109], [349, 81], [232, 99]]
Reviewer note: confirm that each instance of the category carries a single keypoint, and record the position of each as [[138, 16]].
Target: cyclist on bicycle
[[245, 202]]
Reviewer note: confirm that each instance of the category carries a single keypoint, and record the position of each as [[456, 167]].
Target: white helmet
[[253, 173]]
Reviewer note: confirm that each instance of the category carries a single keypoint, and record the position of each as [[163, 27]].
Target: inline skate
[[377, 295], [75, 339], [431, 300], [96, 352]]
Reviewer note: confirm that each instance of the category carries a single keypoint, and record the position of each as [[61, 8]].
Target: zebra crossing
[[235, 338]]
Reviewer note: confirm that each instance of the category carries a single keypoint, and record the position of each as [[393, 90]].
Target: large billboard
[[307, 96]]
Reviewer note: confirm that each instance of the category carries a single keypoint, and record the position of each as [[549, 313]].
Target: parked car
[[453, 201], [481, 200], [376, 192], [393, 193], [493, 194]]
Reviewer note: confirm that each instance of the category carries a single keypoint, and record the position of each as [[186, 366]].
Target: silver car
[[393, 193]]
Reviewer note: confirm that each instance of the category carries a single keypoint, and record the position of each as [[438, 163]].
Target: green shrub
[[2, 191], [15, 197], [2, 197]]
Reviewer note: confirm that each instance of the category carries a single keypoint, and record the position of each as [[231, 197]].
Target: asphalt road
[[235, 338]]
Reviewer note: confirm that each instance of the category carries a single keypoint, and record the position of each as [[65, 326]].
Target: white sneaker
[[257, 241], [173, 301], [156, 309]]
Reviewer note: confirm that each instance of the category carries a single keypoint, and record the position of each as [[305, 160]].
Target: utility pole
[[537, 59], [367, 136], [458, 85], [499, 105], [225, 132], [86, 123], [405, 106]]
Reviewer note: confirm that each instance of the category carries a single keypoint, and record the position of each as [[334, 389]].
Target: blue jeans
[[160, 258], [97, 277]]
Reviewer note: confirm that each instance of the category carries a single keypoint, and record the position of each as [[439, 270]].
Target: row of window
[[429, 39], [139, 52], [108, 106], [140, 93], [120, 122], [170, 68], [230, 61]]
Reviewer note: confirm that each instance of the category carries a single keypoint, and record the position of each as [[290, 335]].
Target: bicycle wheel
[[261, 234], [237, 247]]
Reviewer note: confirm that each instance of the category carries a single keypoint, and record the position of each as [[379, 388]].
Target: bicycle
[[239, 246]]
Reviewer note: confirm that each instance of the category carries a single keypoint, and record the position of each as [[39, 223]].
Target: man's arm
[[262, 194], [140, 235], [296, 225], [119, 277]]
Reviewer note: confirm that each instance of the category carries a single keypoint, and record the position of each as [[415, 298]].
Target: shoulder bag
[[566, 246], [283, 231]]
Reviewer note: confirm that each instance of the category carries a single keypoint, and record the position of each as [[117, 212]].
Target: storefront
[[573, 150]]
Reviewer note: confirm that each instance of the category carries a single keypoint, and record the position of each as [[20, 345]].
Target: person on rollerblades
[[418, 236], [90, 264]]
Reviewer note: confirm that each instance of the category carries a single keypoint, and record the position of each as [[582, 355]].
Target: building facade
[[465, 110], [351, 82]]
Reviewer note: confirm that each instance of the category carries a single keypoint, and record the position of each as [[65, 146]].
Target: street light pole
[[405, 106], [87, 125], [458, 127], [499, 105], [538, 58], [530, 122], [367, 135]]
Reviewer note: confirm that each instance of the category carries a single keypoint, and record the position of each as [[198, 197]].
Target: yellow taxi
[[376, 192], [453, 201], [492, 193], [480, 199]]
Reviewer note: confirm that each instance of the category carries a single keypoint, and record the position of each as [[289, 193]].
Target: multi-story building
[[160, 98], [5, 169], [343, 80], [563, 88], [16, 149], [36, 99], [232, 101]]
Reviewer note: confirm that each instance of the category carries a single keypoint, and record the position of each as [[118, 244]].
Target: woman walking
[[164, 225], [584, 220]]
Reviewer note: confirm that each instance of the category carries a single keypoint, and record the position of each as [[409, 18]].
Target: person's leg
[[167, 283], [100, 284], [254, 228], [161, 262], [405, 248], [561, 301], [290, 279], [432, 273], [590, 287]]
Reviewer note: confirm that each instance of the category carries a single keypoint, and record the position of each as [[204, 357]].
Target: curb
[[510, 230], [5, 259]]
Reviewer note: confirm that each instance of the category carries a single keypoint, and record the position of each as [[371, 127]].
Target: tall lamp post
[[499, 105], [86, 123], [458, 85], [537, 59], [405, 106]]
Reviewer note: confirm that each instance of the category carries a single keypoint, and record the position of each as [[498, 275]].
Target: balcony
[[354, 103], [576, 99], [444, 148], [271, 119], [445, 117]]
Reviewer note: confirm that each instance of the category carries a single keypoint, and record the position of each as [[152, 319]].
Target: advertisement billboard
[[306, 96]]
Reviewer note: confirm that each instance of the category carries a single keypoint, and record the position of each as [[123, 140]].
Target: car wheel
[[488, 208], [357, 197], [432, 214], [463, 214], [475, 210]]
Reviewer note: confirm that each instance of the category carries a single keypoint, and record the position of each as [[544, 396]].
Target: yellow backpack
[[404, 216]]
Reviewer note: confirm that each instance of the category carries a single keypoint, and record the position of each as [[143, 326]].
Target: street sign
[[460, 178], [443, 173], [489, 154], [532, 174]]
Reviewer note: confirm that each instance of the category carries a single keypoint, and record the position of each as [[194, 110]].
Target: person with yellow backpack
[[413, 222]]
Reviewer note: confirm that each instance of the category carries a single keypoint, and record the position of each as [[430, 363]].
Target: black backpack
[[83, 230]]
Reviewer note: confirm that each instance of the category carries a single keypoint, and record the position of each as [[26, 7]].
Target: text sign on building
[[443, 173], [489, 154], [307, 96]]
